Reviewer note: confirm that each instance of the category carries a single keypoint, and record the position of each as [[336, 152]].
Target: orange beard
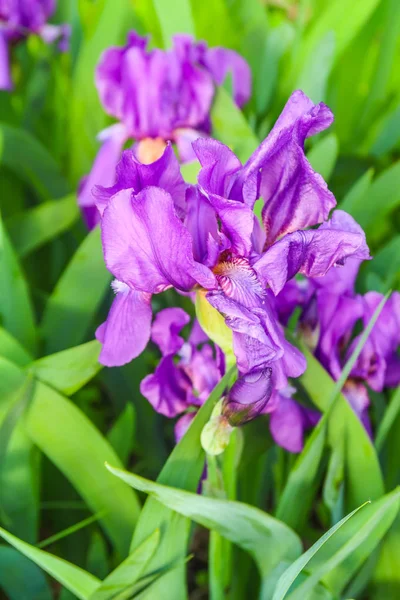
[[150, 149]]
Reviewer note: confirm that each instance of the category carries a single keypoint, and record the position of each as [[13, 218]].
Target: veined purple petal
[[239, 281], [166, 328], [248, 396], [294, 195], [311, 252], [147, 246], [219, 167], [167, 388], [257, 339], [126, 332], [201, 222], [132, 174]]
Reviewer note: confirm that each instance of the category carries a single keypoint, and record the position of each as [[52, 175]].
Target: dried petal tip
[[216, 434], [248, 396]]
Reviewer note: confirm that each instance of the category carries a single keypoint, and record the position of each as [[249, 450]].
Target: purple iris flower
[[330, 310], [158, 233], [159, 96], [18, 20], [187, 371]]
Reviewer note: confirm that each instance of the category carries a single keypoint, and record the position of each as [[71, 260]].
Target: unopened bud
[[216, 433], [248, 396]]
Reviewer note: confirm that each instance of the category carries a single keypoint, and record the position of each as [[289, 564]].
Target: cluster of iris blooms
[[247, 276]]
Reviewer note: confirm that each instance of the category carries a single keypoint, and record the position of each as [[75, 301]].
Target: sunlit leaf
[[74, 445], [69, 370]]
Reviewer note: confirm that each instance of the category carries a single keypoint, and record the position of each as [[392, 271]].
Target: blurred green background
[[54, 289]]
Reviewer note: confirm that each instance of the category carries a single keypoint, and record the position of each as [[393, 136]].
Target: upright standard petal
[[166, 328], [147, 246], [126, 332], [219, 168], [311, 252], [132, 174], [294, 195]]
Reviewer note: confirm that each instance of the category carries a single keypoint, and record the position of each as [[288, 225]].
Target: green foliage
[[280, 526]]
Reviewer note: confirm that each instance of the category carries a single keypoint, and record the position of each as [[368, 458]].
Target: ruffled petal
[[147, 246], [257, 339], [126, 332], [311, 252], [219, 166], [167, 388], [239, 281], [132, 174], [166, 328], [294, 195]]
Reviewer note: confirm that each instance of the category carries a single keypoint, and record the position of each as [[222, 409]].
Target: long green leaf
[[25, 156], [128, 572], [389, 417], [302, 480], [290, 575], [74, 445], [268, 540], [76, 297], [20, 578], [363, 474], [11, 349], [354, 546], [34, 227], [67, 371], [122, 434], [15, 305], [19, 486], [174, 17], [78, 581]]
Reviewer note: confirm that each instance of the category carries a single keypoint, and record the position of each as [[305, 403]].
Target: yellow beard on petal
[[150, 149], [213, 324]]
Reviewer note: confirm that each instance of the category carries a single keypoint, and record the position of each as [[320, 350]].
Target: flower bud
[[216, 433], [248, 396]]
